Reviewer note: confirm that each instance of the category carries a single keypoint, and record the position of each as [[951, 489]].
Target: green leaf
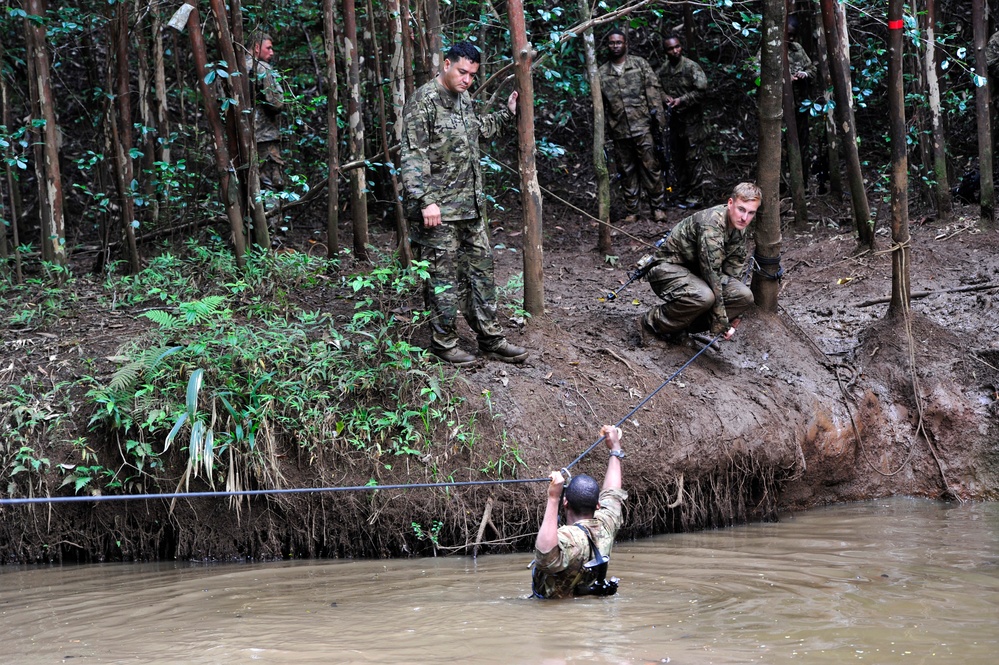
[[193, 386]]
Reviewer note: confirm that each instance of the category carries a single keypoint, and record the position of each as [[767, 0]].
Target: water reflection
[[899, 581]]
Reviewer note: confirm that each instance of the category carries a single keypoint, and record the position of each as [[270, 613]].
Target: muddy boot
[[455, 355], [647, 336], [506, 352], [659, 215], [630, 219]]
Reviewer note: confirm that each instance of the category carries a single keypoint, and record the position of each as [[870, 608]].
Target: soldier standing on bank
[[267, 111], [446, 207], [631, 93], [684, 84]]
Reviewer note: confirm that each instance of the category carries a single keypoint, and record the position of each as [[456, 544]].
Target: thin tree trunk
[[332, 135], [358, 177], [407, 50], [160, 93], [151, 132], [435, 43], [228, 186], [604, 243], [839, 61], [530, 191], [833, 170], [401, 228], [51, 185], [983, 112], [690, 44], [945, 205], [237, 82], [899, 163], [120, 125], [12, 184], [795, 168], [771, 96]]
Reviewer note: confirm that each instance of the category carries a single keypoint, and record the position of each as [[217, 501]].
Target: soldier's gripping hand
[[431, 216], [511, 102]]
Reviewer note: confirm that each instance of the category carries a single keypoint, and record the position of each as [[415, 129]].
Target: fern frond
[[199, 311], [162, 319], [125, 377]]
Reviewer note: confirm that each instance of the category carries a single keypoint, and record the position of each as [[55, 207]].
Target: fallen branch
[[923, 294]]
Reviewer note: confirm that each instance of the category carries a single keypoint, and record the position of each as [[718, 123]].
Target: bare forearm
[[548, 533]]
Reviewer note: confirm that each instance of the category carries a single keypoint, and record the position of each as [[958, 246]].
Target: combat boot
[[630, 219], [455, 355], [659, 215], [506, 352]]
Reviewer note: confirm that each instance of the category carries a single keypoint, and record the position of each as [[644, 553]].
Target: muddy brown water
[[890, 581]]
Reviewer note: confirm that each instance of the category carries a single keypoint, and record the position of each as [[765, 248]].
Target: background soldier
[[802, 72], [699, 275], [270, 102], [631, 92], [684, 84], [446, 207]]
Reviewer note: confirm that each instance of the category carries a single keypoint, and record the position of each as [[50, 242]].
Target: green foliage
[[231, 386]]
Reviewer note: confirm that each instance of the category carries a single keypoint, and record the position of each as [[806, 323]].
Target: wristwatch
[[618, 454]]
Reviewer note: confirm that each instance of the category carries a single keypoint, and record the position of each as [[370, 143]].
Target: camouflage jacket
[[269, 102], [798, 60], [684, 81], [629, 97], [992, 58], [440, 152], [561, 570], [703, 244]]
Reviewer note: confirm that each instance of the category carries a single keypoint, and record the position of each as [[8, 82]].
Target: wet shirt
[[629, 97], [561, 570], [684, 81], [440, 152], [702, 244], [270, 100]]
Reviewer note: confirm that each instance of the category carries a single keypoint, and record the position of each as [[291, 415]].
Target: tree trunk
[[690, 44], [771, 96], [899, 163], [160, 91], [839, 61], [240, 88], [401, 228], [983, 112], [358, 177], [54, 232], [530, 191], [832, 171], [120, 126], [795, 167], [12, 185], [407, 50], [151, 132], [599, 136], [433, 40], [332, 136], [938, 140], [228, 186]]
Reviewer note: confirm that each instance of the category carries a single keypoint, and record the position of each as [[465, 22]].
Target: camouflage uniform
[[798, 61], [558, 572], [700, 276], [630, 96], [270, 101], [687, 132], [992, 60], [440, 164]]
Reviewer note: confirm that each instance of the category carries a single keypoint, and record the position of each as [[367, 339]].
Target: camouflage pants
[[688, 138], [689, 300], [638, 167], [271, 174], [461, 277]]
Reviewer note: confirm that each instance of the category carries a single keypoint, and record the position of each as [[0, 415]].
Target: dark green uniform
[[270, 102], [631, 93], [440, 164], [699, 276], [686, 82], [557, 573]]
